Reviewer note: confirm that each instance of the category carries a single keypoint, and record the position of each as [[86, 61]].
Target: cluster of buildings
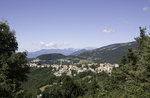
[[60, 69], [107, 67]]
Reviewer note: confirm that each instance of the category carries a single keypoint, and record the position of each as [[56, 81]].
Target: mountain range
[[48, 51], [110, 53], [68, 51]]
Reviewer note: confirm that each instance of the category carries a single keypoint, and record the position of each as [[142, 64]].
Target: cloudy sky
[[46, 24]]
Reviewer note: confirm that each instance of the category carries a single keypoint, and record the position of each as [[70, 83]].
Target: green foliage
[[51, 56], [53, 92], [85, 61], [37, 78], [13, 66], [123, 60], [132, 78], [74, 87], [79, 65], [93, 66], [70, 89], [84, 85]]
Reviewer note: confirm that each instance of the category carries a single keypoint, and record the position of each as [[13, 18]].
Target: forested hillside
[[51, 56], [111, 53]]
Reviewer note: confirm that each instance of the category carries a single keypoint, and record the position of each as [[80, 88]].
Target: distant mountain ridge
[[66, 52], [110, 53], [79, 51], [49, 51]]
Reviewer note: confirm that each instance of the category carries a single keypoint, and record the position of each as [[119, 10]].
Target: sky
[[52, 24]]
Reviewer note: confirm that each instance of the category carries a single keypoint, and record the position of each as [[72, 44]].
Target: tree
[[141, 39], [123, 60], [52, 92], [132, 78], [93, 88], [143, 72], [13, 67], [70, 89]]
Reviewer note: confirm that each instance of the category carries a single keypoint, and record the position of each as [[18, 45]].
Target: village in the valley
[[76, 68]]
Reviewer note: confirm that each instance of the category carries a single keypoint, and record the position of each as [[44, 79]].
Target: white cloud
[[49, 45], [42, 43], [146, 8], [53, 45], [108, 30]]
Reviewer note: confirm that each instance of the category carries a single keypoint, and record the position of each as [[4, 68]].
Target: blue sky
[[46, 24]]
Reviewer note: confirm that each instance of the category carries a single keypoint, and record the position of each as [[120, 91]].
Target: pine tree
[[143, 72], [129, 76], [141, 39], [123, 60], [70, 89]]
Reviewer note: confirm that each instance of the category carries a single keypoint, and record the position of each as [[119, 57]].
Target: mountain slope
[[79, 52], [111, 53], [49, 51]]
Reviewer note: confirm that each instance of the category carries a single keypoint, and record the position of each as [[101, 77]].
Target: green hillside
[[52, 56], [111, 53]]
